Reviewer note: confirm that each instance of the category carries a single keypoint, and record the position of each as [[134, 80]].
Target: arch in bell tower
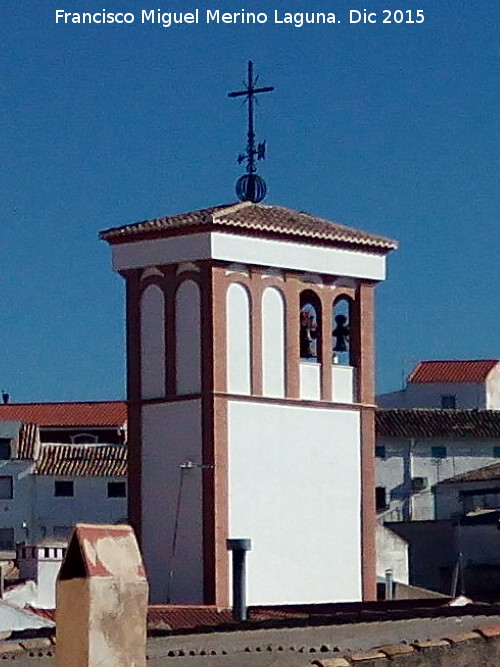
[[273, 343], [187, 338], [152, 331], [238, 339]]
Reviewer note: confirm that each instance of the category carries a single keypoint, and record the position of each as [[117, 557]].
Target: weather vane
[[250, 186]]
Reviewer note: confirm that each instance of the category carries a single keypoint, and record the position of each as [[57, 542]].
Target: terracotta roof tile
[[275, 221], [452, 371], [437, 423], [109, 413], [82, 460], [186, 616], [480, 475]]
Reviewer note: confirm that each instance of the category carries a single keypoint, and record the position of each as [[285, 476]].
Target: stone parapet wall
[[303, 647], [478, 648]]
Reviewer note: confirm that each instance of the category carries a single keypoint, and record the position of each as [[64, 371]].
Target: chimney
[[102, 599], [5, 397]]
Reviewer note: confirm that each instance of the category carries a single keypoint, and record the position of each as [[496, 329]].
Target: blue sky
[[389, 128]]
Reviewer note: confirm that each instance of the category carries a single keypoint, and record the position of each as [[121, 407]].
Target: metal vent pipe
[[239, 548]]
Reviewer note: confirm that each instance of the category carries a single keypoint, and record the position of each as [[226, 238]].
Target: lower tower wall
[[295, 491]]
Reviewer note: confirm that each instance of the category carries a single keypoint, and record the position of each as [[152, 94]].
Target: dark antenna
[[250, 186]]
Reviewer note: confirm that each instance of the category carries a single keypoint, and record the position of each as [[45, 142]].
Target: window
[[64, 489], [117, 490], [380, 451], [449, 401], [5, 448], [496, 452], [6, 489], [380, 498], [310, 326], [7, 539], [83, 439], [438, 452], [476, 499], [341, 341], [419, 484]]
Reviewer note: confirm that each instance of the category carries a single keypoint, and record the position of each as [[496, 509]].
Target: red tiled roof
[[175, 617], [276, 221], [191, 617], [47, 614], [109, 413], [82, 460], [186, 616], [488, 473], [452, 371], [437, 423]]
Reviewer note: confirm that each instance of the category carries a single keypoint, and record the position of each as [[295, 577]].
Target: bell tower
[[250, 362]]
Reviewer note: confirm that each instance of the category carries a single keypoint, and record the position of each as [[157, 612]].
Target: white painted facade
[[294, 490], [493, 389], [171, 443], [483, 395], [468, 395], [244, 250], [13, 619], [343, 383], [35, 513], [310, 380], [392, 554], [407, 459], [55, 516], [19, 512], [40, 563]]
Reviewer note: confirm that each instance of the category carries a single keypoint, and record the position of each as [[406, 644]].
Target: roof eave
[[379, 247]]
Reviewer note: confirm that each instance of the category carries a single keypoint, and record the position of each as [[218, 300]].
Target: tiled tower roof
[[257, 219]]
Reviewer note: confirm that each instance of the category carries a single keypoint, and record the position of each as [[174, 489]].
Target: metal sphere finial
[[250, 186]]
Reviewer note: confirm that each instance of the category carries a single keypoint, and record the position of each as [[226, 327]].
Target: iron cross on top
[[249, 93]]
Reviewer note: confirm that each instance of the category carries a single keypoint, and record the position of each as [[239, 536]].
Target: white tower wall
[[173, 495], [294, 490]]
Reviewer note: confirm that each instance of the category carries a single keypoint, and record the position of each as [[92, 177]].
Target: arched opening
[[310, 326], [152, 343], [188, 338], [238, 339], [273, 343], [342, 352]]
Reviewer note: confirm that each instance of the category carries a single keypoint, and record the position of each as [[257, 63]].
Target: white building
[[246, 419], [45, 488], [418, 448], [76, 422], [471, 493], [463, 384], [38, 566]]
